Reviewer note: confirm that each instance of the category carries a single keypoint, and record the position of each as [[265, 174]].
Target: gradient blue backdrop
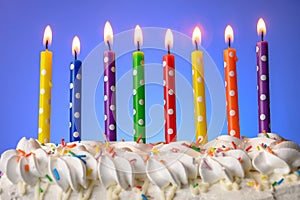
[[21, 29]]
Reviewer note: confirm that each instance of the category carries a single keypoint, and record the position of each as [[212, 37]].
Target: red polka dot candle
[[169, 90], [75, 93], [138, 87], [109, 86], [45, 89], [232, 106], [262, 61]]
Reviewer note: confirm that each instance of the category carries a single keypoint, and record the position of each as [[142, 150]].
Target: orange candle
[[232, 105]]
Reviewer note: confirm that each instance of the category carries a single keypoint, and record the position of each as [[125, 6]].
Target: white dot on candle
[[262, 117], [232, 132], [134, 111], [264, 58], [70, 105], [113, 69], [164, 82], [70, 124], [263, 77], [71, 85], [112, 88], [42, 91], [231, 73], [231, 54], [164, 63], [141, 121], [225, 83], [112, 127], [112, 107], [171, 92], [263, 97], [71, 66], [225, 64], [105, 78], [257, 87], [170, 131], [78, 76], [193, 72], [164, 101], [43, 72], [75, 134], [199, 99], [134, 91], [41, 110], [105, 59], [200, 118], [141, 101], [40, 130], [76, 115], [142, 82], [105, 97], [232, 113], [257, 49], [199, 79], [170, 111], [105, 117], [77, 95], [231, 93], [257, 68], [171, 73], [134, 72]]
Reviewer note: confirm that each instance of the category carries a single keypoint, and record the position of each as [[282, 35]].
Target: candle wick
[[229, 42], [75, 54], [47, 44], [262, 36], [196, 45], [138, 45], [169, 49], [108, 44]]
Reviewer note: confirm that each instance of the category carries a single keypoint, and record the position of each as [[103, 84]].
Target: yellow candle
[[199, 89], [45, 89]]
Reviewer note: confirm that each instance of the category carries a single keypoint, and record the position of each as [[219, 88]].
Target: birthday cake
[[261, 168]]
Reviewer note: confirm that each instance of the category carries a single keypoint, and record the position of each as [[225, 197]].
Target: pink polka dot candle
[[262, 61], [232, 105], [169, 90], [109, 86]]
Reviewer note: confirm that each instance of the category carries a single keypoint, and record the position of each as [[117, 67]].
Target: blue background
[[22, 25]]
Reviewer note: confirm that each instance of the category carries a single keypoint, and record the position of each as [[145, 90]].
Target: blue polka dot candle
[[262, 61], [138, 87], [75, 93], [109, 86]]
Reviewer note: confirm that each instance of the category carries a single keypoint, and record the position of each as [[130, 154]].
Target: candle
[[75, 93], [263, 97], [138, 87], [231, 85], [45, 89], [109, 86], [169, 90], [199, 89]]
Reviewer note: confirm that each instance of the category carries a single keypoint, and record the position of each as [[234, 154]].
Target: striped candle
[[262, 60], [138, 87], [75, 93], [109, 86]]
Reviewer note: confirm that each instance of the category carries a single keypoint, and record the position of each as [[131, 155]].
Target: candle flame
[[108, 33], [138, 36], [228, 34], [168, 39], [196, 35], [76, 45], [261, 27], [47, 35]]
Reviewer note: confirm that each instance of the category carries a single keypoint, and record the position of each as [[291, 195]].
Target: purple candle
[[109, 86], [262, 60]]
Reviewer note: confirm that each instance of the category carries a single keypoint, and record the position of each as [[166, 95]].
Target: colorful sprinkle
[[263, 177], [275, 183], [175, 150], [29, 154], [132, 160], [63, 143], [71, 145], [258, 148], [21, 151], [138, 186], [72, 153], [139, 138], [26, 167], [1, 174], [233, 144], [240, 159], [206, 165], [196, 148], [250, 183], [56, 174], [144, 197], [89, 171], [248, 148], [269, 150], [123, 140], [49, 178], [41, 190], [199, 140], [146, 158], [280, 181], [155, 150], [298, 172], [265, 146], [195, 185]]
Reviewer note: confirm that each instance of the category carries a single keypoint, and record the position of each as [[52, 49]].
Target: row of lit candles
[[168, 83]]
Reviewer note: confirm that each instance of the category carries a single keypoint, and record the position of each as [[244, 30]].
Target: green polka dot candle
[[138, 88]]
